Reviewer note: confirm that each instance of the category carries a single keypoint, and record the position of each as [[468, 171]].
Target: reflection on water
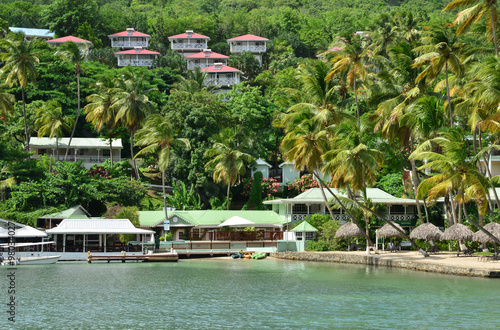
[[215, 293]]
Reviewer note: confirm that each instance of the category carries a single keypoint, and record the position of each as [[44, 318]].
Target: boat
[[162, 257], [24, 256], [247, 256], [259, 255], [237, 255]]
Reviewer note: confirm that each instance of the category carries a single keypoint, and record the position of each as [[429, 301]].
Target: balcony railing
[[189, 46], [248, 48], [259, 235], [406, 218], [131, 44], [192, 65], [86, 159], [221, 81], [135, 62]]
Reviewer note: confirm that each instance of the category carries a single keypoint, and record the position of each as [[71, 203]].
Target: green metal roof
[[207, 217], [313, 196], [151, 218], [304, 226], [74, 212]]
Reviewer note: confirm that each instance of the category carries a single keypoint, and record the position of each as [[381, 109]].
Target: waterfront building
[[399, 210], [90, 150], [136, 57], [21, 233], [75, 237], [188, 43], [221, 75], [205, 59], [249, 43], [129, 39], [33, 33], [206, 224]]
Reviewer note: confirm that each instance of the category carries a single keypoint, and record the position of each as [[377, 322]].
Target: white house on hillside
[[205, 59], [250, 43], [223, 75], [91, 150], [188, 43], [136, 57], [129, 39]]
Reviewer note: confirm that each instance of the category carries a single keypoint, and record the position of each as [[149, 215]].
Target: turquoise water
[[272, 294]]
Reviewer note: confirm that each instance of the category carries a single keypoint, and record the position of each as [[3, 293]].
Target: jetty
[[153, 257]]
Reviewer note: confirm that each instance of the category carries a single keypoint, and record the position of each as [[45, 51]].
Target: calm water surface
[[273, 294]]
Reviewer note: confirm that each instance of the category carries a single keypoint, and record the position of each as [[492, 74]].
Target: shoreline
[[443, 263]]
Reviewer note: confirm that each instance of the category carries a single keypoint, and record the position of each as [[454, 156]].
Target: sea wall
[[376, 260]]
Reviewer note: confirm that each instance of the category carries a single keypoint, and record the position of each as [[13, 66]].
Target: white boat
[[28, 257]]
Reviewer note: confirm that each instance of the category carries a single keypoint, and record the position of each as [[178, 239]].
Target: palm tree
[[100, 111], [157, 134], [441, 53], [7, 101], [351, 162], [352, 58], [20, 59], [480, 9], [131, 105], [194, 82], [50, 120], [226, 162], [74, 54]]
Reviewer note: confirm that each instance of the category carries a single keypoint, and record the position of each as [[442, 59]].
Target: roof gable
[[248, 37], [76, 212], [68, 39]]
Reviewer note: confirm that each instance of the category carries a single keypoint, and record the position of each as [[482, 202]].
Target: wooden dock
[[155, 257]]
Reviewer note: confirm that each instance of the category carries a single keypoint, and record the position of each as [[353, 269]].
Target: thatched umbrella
[[388, 231], [480, 236], [426, 231], [457, 232], [349, 230]]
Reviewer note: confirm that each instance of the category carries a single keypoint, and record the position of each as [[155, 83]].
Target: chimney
[[207, 52], [189, 33], [137, 49], [130, 31], [218, 66]]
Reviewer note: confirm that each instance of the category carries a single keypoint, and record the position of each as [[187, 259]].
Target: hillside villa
[[90, 150]]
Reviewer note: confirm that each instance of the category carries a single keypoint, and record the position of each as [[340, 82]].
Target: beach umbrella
[[388, 231], [457, 232], [349, 230], [426, 231], [480, 236]]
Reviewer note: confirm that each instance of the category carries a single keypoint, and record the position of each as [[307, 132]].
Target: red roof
[[193, 36], [211, 55], [248, 37], [126, 34], [67, 39], [137, 51], [223, 68]]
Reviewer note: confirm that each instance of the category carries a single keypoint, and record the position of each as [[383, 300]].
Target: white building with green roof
[[200, 223], [399, 210]]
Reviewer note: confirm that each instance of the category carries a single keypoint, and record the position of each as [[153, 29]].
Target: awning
[[97, 226]]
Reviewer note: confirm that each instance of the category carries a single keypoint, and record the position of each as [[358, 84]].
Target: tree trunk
[[453, 208], [77, 116], [227, 197], [493, 29], [356, 100], [415, 186], [164, 194], [134, 165], [324, 198], [494, 238], [27, 149], [111, 151], [448, 94]]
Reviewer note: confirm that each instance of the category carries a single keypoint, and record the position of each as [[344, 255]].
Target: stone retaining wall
[[374, 260]]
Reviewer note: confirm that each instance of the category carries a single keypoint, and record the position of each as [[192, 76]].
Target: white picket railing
[[182, 45], [248, 48], [221, 81], [148, 62], [131, 44]]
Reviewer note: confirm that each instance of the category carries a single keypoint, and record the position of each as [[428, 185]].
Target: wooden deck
[[155, 257]]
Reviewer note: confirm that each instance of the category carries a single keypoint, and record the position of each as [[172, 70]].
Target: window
[[180, 236], [299, 209], [42, 151], [106, 152]]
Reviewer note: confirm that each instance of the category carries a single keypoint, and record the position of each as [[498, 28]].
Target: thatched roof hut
[[493, 228], [388, 231], [349, 230], [426, 231], [457, 232]]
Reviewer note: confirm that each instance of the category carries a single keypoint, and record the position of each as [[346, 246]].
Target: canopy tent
[[20, 230], [237, 221]]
